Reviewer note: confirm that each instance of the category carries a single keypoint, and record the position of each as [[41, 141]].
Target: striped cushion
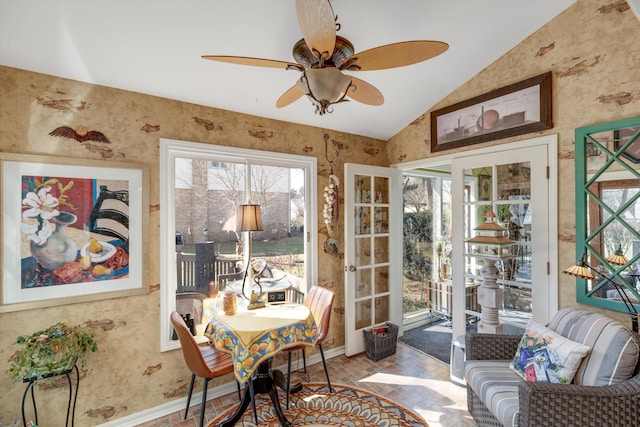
[[497, 386], [614, 351]]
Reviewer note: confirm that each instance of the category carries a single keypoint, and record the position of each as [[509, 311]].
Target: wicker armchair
[[546, 404]]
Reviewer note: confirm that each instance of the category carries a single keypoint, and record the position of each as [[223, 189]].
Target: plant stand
[[66, 371]]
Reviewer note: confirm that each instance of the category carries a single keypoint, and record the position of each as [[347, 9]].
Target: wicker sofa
[[611, 368]]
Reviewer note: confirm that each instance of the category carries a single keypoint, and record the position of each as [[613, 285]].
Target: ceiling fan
[[321, 56]]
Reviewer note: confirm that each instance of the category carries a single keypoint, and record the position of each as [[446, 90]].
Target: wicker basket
[[380, 344]]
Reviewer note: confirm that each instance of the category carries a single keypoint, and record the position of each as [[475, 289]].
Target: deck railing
[[196, 271]]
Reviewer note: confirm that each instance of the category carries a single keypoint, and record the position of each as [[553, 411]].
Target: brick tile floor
[[409, 377]]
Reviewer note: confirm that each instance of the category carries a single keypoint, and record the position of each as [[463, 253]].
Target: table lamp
[[248, 220], [584, 271]]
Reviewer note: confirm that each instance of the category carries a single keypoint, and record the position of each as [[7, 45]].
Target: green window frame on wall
[[607, 155]]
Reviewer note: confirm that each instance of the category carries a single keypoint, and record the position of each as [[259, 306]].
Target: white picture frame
[[71, 187]]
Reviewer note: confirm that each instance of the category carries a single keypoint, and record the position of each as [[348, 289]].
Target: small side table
[[66, 371]]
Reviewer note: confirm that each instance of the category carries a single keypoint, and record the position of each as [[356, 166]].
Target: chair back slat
[[110, 214], [294, 295], [320, 303]]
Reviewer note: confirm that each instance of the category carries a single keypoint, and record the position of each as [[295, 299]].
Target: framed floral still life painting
[[72, 230]]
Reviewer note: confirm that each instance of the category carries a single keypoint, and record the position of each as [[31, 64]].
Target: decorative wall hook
[[326, 153]]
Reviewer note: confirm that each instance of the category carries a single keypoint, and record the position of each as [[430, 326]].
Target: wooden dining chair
[[204, 362], [294, 295], [319, 300]]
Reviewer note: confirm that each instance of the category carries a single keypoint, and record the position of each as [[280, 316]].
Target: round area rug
[[315, 406]]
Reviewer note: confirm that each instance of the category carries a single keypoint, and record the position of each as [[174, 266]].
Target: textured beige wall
[[129, 374], [593, 52]]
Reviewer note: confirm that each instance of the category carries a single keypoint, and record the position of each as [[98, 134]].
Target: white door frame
[[550, 143]]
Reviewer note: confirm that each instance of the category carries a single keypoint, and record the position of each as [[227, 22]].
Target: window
[[201, 187], [183, 173]]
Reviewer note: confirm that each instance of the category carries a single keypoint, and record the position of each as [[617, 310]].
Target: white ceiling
[[154, 47]]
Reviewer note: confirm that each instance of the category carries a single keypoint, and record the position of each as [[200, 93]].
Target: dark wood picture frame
[[484, 187], [621, 137], [517, 109]]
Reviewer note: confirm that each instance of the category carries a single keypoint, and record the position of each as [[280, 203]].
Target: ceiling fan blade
[[364, 92], [256, 62], [397, 54], [290, 96], [318, 25]]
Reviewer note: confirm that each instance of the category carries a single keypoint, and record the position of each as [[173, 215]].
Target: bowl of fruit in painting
[[98, 251]]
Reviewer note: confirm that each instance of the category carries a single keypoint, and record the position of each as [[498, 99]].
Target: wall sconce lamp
[[584, 271], [248, 220]]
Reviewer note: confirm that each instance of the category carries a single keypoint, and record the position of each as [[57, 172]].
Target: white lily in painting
[[40, 208]]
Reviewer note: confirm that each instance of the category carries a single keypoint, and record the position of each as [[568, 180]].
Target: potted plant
[[51, 350]]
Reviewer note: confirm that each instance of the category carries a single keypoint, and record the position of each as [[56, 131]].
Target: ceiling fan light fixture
[[324, 86], [321, 55]]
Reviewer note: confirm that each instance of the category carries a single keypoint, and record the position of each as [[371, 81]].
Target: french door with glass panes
[[373, 251], [513, 184]]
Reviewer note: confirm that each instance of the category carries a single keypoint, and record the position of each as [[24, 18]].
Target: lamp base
[[255, 304]]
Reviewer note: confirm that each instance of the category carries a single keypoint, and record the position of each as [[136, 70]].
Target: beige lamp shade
[[617, 258], [584, 271], [580, 270], [249, 218]]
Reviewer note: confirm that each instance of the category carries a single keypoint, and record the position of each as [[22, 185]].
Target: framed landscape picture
[[72, 230]]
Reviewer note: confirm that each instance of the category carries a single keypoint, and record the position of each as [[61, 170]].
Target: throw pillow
[[546, 356]]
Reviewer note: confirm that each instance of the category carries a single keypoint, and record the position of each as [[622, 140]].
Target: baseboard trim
[[215, 392]]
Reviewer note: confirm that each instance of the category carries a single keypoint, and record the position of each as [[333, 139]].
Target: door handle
[[351, 268]]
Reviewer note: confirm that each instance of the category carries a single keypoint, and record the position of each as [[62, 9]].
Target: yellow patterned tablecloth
[[253, 336]]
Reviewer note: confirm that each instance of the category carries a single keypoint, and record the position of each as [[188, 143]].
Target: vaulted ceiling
[[155, 47]]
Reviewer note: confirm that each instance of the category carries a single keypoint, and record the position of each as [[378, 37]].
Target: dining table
[[253, 338]]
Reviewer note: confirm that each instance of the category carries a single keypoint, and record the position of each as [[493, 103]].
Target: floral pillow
[[546, 356]]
